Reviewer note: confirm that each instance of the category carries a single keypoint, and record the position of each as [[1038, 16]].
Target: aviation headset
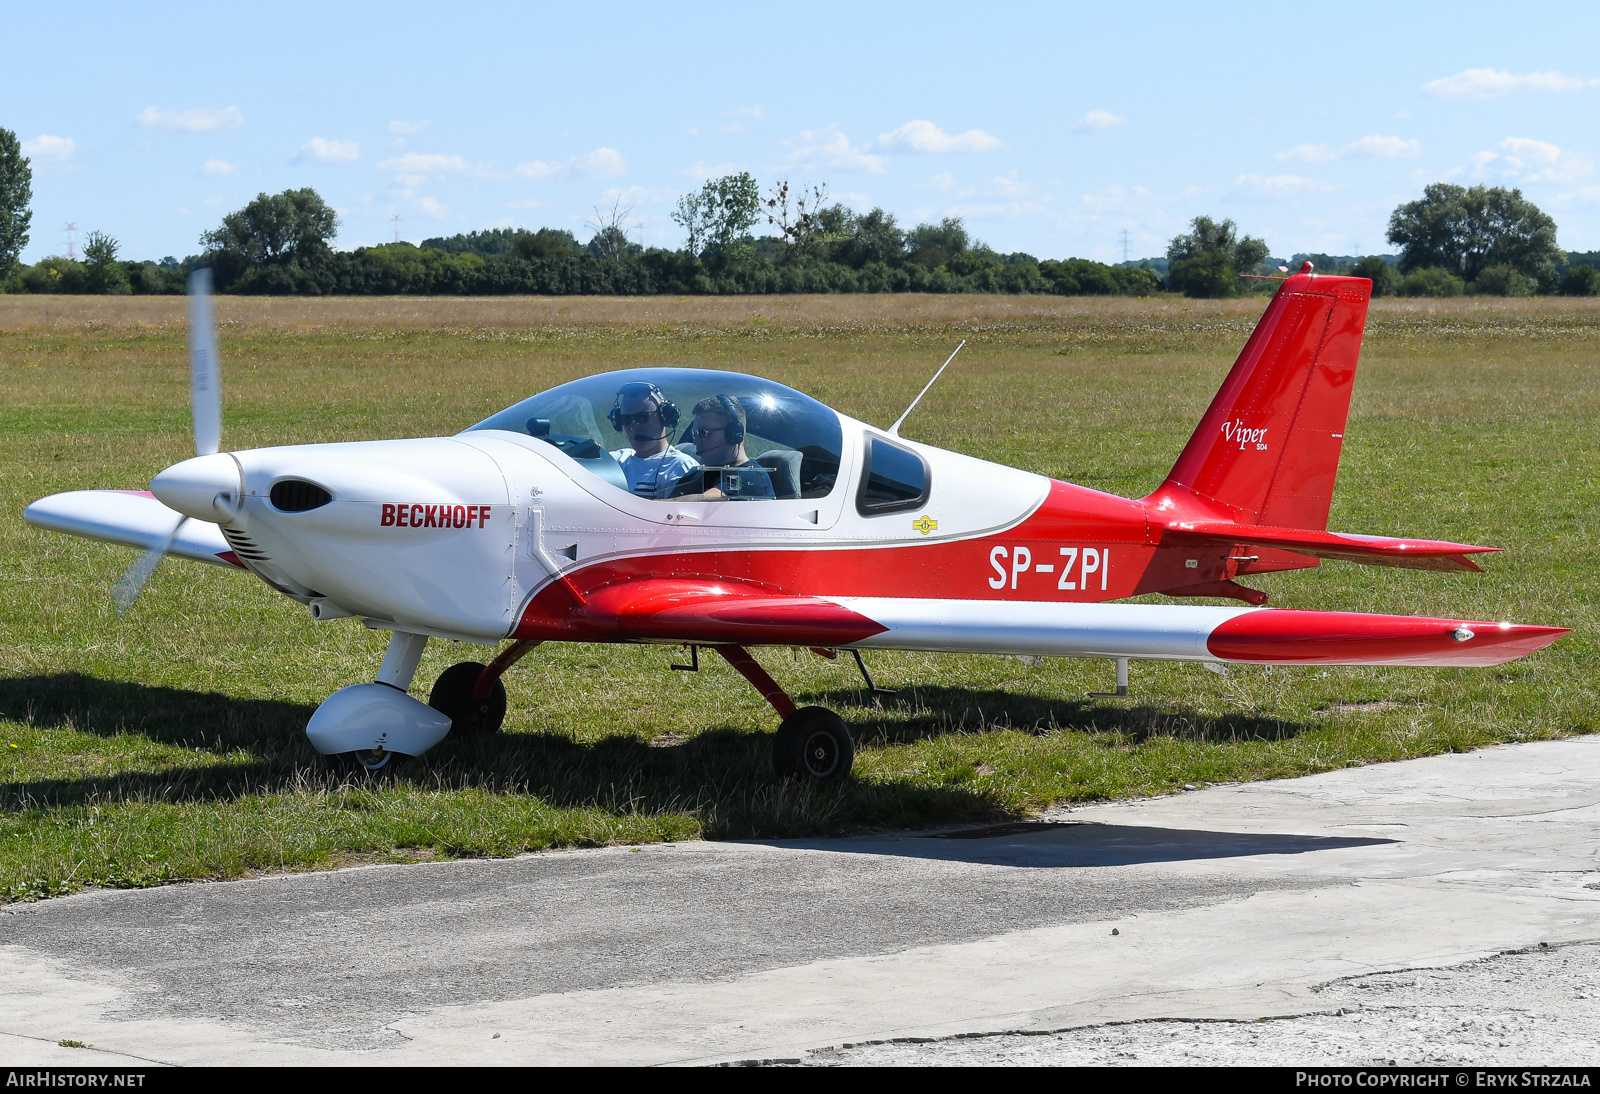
[[645, 390], [734, 431]]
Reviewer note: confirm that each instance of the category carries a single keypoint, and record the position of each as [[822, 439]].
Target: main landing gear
[[371, 726], [473, 696], [813, 743]]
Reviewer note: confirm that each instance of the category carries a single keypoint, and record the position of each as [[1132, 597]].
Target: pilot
[[646, 417], [718, 433]]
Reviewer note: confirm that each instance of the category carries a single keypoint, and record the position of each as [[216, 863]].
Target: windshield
[[688, 434]]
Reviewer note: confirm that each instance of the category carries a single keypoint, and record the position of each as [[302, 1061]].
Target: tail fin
[[1267, 449]]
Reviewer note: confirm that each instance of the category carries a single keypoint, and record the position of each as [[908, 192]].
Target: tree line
[[1453, 240]]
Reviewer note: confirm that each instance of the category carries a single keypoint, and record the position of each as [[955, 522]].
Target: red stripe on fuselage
[[1071, 517]]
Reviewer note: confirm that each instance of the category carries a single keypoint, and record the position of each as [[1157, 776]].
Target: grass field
[[170, 744]]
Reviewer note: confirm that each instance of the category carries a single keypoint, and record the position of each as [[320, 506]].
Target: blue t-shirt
[[655, 476]]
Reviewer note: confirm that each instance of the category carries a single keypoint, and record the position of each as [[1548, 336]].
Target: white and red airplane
[[833, 535]]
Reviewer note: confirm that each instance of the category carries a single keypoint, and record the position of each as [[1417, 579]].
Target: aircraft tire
[[813, 745], [368, 762], [452, 696]]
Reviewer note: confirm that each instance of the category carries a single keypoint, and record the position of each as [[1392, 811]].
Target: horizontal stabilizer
[[133, 518], [1410, 554]]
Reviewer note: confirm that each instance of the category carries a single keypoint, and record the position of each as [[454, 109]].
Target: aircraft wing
[[1411, 554], [711, 611], [1173, 632], [133, 518]]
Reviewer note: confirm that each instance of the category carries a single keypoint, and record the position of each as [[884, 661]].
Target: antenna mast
[[72, 241], [396, 219], [894, 430], [1124, 245]]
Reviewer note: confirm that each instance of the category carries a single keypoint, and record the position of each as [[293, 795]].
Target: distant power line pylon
[[396, 219], [72, 241], [1124, 244]]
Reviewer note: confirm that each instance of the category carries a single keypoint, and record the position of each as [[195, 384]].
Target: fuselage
[[473, 535]]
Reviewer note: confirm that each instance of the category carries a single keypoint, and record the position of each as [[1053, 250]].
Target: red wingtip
[[1288, 637]]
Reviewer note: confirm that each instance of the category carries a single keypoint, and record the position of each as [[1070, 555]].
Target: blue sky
[[1049, 128]]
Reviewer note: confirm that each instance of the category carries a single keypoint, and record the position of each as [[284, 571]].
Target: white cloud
[[1098, 121], [219, 169], [1383, 148], [828, 148], [1008, 186], [1523, 159], [1010, 209], [640, 195], [942, 181], [413, 168], [318, 150], [1308, 153], [700, 169], [191, 121], [1367, 148], [1116, 199], [753, 113], [408, 129], [602, 163], [46, 150], [1488, 83], [923, 136], [1279, 186], [426, 163], [432, 208]]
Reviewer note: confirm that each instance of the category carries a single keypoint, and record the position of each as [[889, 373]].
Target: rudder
[[1267, 449]]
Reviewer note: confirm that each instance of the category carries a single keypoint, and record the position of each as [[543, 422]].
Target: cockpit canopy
[[792, 441]]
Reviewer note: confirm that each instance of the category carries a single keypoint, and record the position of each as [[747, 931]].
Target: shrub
[[1379, 272], [1501, 280], [1581, 281], [55, 275], [1208, 275], [1431, 281]]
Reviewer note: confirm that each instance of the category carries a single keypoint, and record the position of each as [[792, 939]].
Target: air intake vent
[[245, 547], [297, 496]]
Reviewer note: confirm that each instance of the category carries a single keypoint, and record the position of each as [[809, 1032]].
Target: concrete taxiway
[[1234, 902]]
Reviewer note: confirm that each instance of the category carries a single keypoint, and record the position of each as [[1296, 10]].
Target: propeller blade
[[205, 389], [134, 578]]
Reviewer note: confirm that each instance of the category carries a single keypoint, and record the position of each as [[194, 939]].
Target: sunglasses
[[702, 431], [638, 417]]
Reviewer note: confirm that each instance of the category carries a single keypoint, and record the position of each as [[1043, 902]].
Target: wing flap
[[1411, 554], [132, 518]]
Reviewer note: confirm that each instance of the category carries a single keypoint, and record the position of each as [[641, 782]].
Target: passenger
[[718, 433], [647, 417]]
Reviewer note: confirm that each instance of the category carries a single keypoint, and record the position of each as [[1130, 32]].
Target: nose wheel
[[366, 761], [813, 745], [470, 715]]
